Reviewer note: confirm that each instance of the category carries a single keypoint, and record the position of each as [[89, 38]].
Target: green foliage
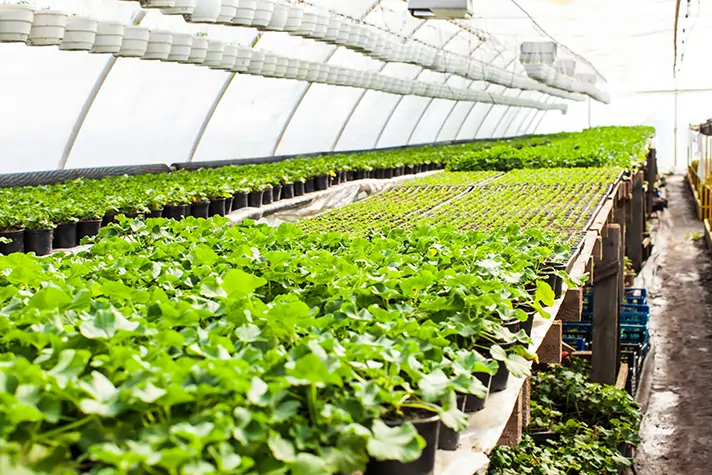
[[597, 147], [42, 206], [183, 347], [591, 422]]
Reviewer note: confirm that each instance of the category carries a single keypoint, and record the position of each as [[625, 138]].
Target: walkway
[[677, 428]]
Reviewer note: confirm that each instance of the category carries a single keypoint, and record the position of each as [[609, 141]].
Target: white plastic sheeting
[[155, 112]]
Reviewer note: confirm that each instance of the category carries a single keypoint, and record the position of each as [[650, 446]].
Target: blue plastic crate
[[634, 334], [578, 343], [637, 308], [634, 318]]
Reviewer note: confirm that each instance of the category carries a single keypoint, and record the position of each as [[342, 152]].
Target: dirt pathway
[[677, 428]]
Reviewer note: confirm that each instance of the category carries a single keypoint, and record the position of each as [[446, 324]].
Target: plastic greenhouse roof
[[73, 109]]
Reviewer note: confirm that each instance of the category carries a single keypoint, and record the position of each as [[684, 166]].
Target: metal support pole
[[89, 102], [589, 112], [299, 101], [209, 116], [214, 107]]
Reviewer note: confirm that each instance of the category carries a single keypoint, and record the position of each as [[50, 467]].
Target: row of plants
[[577, 427], [44, 207], [193, 347], [398, 207], [447, 178], [562, 208], [556, 176], [624, 147]]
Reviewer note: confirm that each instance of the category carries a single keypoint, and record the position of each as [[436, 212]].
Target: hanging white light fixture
[[441, 9]]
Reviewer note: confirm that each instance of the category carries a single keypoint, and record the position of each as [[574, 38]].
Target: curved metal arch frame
[[506, 111], [524, 120], [427, 107], [299, 101], [541, 119], [365, 91], [511, 120], [474, 104], [518, 122], [91, 98]]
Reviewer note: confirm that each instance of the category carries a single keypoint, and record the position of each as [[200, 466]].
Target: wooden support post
[[526, 396], [550, 349], [572, 306], [606, 304], [651, 178], [634, 238], [512, 433]]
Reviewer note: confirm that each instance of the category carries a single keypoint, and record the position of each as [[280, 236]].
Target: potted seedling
[[135, 41], [109, 37], [89, 223], [80, 34], [38, 233], [47, 28], [15, 21], [218, 195], [199, 50], [12, 233], [65, 220]]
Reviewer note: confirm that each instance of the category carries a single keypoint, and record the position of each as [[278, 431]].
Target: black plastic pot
[[360, 175], [429, 429], [17, 243], [409, 170], [228, 205], [310, 185], [513, 325], [299, 188], [350, 175], [240, 200], [175, 212], [108, 219], [501, 379], [541, 438], [472, 402], [254, 199], [379, 173], [449, 438], [398, 171], [65, 236], [200, 209], [287, 191], [276, 193], [217, 207], [38, 241], [267, 196], [529, 323], [555, 282], [155, 213], [388, 173], [87, 228], [334, 180], [321, 182], [433, 166], [133, 215]]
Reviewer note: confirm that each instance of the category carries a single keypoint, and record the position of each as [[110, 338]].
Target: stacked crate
[[634, 316]]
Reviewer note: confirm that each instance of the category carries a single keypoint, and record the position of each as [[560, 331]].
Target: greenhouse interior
[[363, 237]]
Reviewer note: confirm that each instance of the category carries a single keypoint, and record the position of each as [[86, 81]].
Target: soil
[[676, 436]]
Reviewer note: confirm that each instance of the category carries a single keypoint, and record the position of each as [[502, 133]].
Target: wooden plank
[[634, 238], [572, 306], [550, 350], [651, 177], [622, 376], [512, 433], [605, 311], [526, 400]]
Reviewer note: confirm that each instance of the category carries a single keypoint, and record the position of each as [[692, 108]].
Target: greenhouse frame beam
[[358, 102], [506, 111], [541, 119], [524, 121], [531, 122], [299, 101], [214, 107], [474, 104], [89, 101]]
